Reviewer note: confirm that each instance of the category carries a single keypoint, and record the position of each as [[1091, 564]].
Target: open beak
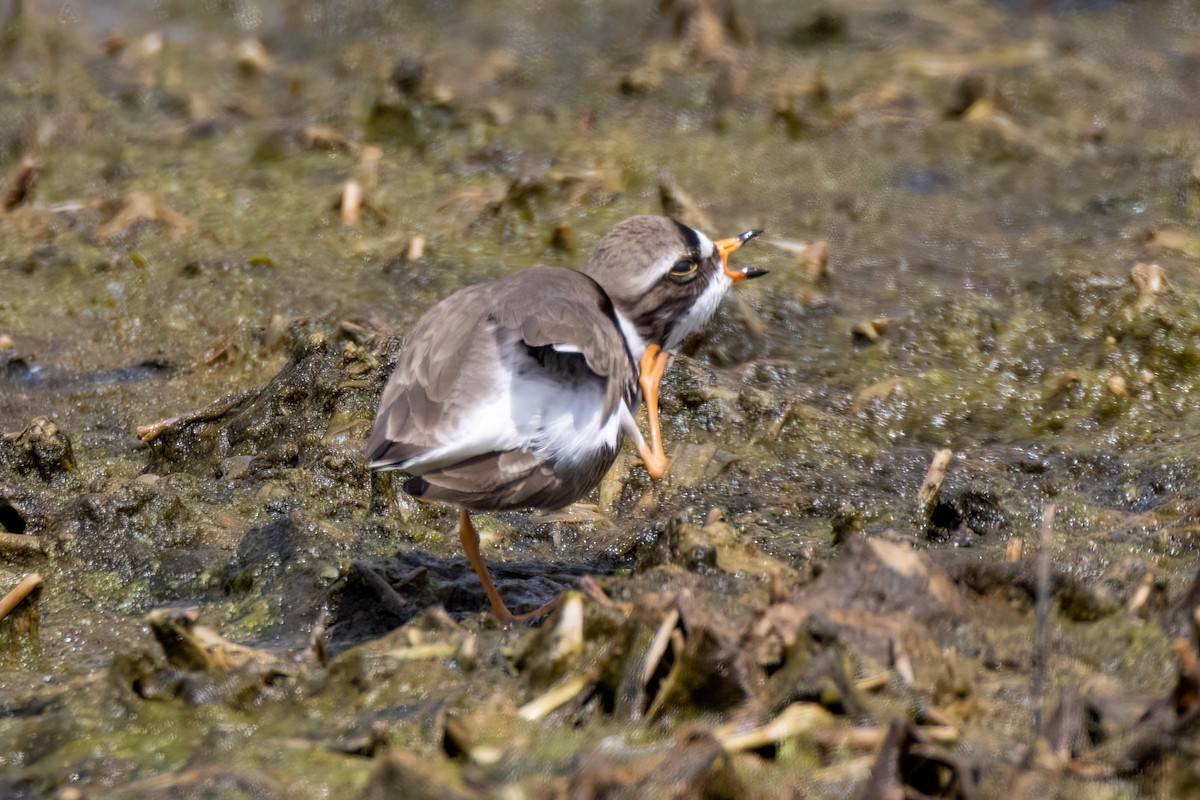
[[727, 246]]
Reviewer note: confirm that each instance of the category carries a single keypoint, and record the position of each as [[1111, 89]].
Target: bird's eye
[[683, 270]]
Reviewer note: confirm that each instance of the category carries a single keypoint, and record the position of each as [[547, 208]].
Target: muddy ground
[[983, 232]]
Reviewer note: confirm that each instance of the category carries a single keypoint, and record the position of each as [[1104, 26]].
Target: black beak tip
[[753, 272], [748, 235]]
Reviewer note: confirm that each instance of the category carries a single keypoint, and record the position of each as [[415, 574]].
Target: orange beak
[[727, 246]]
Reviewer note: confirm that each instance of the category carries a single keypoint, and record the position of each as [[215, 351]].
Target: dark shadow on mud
[[371, 599]]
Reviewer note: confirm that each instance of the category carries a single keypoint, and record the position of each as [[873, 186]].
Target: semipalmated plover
[[518, 392]]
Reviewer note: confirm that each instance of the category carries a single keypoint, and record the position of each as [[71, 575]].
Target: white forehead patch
[[705, 249]]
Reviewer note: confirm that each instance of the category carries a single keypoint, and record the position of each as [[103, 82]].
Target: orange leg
[[470, 543], [654, 364]]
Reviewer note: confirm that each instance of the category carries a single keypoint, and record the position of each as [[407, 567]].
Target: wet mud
[[931, 522]]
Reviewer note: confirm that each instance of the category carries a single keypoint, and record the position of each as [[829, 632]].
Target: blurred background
[[983, 226]]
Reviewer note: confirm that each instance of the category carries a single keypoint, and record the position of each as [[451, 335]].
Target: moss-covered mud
[[195, 327]]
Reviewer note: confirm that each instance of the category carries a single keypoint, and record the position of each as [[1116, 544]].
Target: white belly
[[560, 417], [563, 423]]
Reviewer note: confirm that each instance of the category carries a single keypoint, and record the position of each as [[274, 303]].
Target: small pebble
[[235, 467]]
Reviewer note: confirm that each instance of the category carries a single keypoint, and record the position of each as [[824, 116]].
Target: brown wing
[[563, 307], [451, 358], [430, 363]]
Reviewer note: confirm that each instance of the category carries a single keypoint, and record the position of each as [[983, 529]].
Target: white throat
[[633, 340]]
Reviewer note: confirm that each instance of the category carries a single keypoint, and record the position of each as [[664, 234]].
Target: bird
[[519, 392]]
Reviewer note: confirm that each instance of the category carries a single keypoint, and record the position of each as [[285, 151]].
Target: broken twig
[[927, 496], [22, 185], [148, 433], [17, 596], [1041, 640], [558, 695], [21, 543]]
